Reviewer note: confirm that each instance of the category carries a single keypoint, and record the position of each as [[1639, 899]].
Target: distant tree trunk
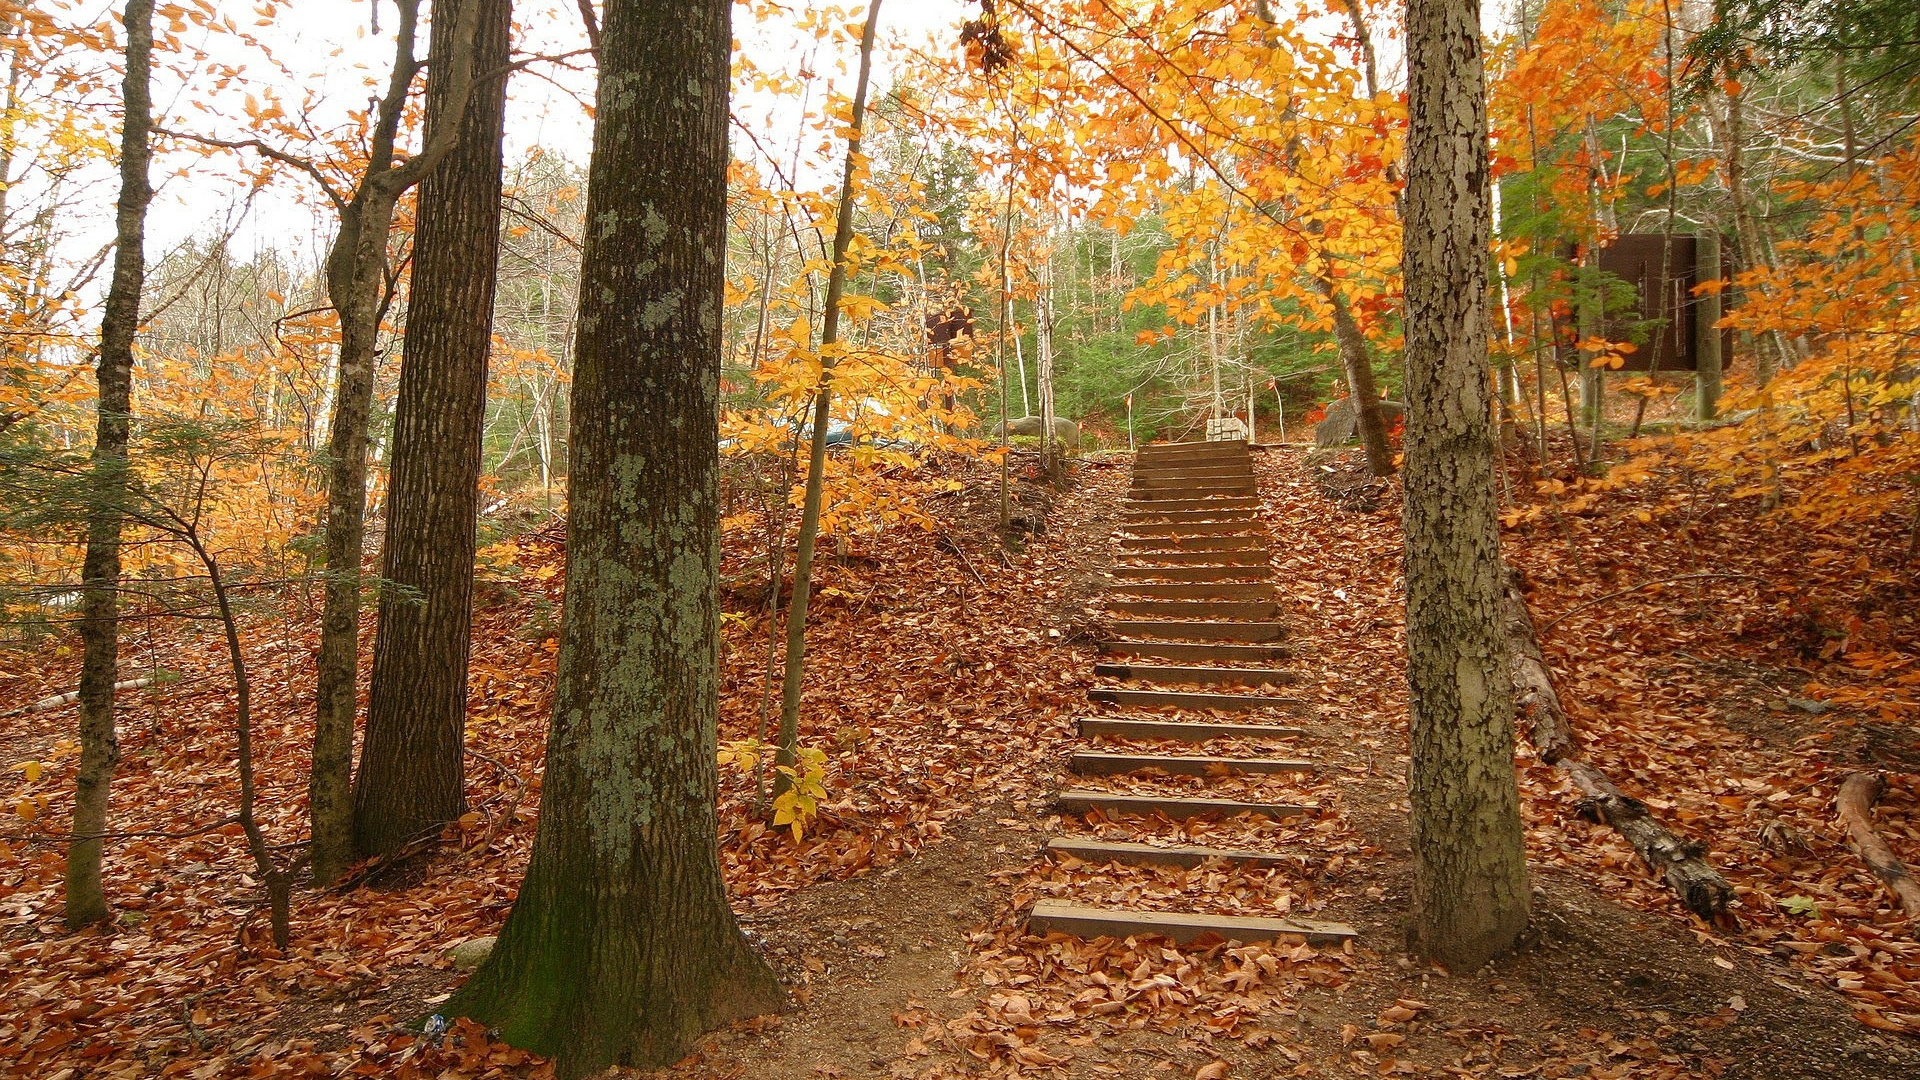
[[1358, 363], [621, 948], [787, 752], [411, 777], [1706, 336], [357, 287], [86, 899], [1470, 878], [1043, 321]]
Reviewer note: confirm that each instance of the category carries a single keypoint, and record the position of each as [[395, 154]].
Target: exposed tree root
[[1858, 792]]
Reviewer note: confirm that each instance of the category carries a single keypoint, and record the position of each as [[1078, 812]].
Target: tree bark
[[410, 779], [1706, 337], [621, 948], [86, 900], [357, 287], [1470, 878]]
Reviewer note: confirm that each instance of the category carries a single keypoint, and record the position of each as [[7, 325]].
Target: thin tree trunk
[[1470, 879], [411, 777], [1043, 316], [787, 752], [621, 948], [86, 900], [1706, 336], [357, 285], [1358, 364]]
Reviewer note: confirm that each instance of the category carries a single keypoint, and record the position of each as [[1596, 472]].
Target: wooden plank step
[[1060, 917], [1095, 763], [1244, 541], [1227, 503], [1213, 452], [1197, 609], [1192, 699], [1130, 518], [1241, 557], [1177, 574], [1243, 527], [1206, 676], [1188, 855], [1125, 727], [1191, 487], [1201, 590], [1197, 651], [1252, 633], [1240, 466], [1174, 807]]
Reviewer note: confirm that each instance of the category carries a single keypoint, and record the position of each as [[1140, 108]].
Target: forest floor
[[945, 671]]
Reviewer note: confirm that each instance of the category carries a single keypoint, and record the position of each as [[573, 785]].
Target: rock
[[472, 952], [1343, 421], [1065, 431]]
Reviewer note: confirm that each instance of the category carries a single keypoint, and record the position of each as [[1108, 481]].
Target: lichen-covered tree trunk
[[86, 899], [410, 777], [621, 948], [1470, 881]]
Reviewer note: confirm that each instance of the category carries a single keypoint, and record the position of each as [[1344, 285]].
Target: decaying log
[[1858, 792], [1680, 862]]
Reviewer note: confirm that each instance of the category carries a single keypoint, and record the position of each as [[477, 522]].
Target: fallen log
[[1680, 862], [55, 701], [1858, 792]]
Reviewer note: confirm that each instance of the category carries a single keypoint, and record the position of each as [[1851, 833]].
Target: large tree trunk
[[86, 899], [1470, 878], [621, 948], [410, 778], [357, 287]]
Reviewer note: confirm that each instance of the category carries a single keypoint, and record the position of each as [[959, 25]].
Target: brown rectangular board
[[1120, 727], [1196, 609], [1251, 633], [1205, 487], [1074, 920], [1244, 541], [1096, 763], [1198, 676], [1206, 652], [1131, 518], [1243, 526], [1196, 467], [1155, 504], [1188, 855], [1199, 590], [1241, 557], [1173, 807], [1191, 699], [1125, 573]]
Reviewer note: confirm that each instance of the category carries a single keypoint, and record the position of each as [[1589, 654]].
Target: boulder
[[1343, 421], [472, 952], [1065, 431]]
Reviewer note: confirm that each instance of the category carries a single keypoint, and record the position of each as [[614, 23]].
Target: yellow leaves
[[32, 770]]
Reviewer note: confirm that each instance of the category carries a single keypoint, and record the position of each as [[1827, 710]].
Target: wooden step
[[1202, 590], [1199, 676], [1191, 699], [1251, 633], [1195, 465], [1188, 855], [1121, 727], [1197, 609], [1233, 542], [1203, 652], [1095, 763], [1125, 573], [1129, 518], [1207, 452], [1246, 526], [1244, 557], [1190, 487], [1074, 920], [1156, 504], [1173, 807]]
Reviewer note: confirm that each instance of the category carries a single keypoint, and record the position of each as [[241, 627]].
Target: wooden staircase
[[1198, 629]]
